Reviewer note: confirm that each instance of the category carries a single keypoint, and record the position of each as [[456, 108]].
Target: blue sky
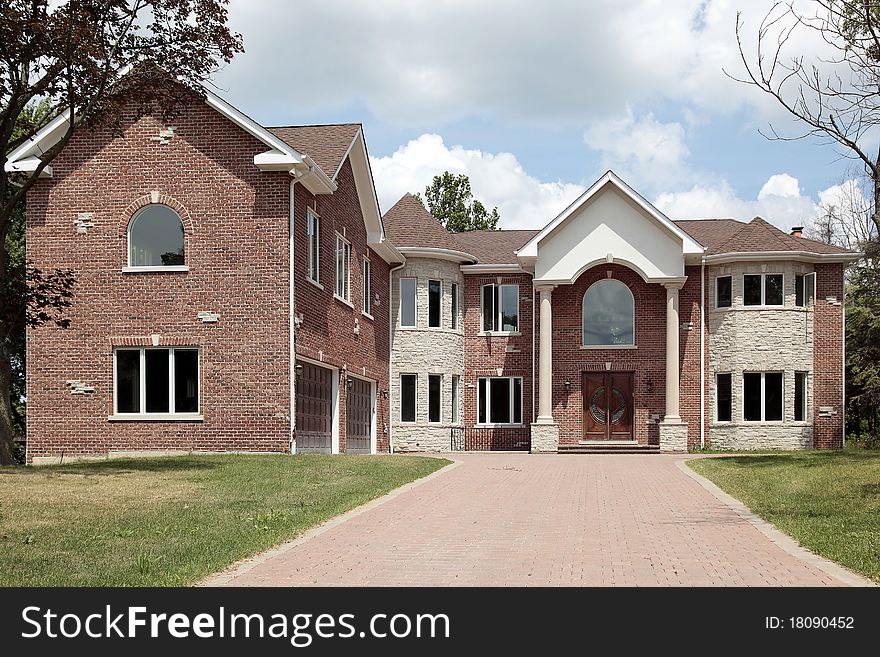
[[534, 101]]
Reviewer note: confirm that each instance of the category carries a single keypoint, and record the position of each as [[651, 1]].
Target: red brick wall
[[236, 246], [327, 332], [828, 356], [483, 355], [647, 361], [689, 354]]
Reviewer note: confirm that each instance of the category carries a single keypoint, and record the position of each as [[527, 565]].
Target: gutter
[[292, 315]]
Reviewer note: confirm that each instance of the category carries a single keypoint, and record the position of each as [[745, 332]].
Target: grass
[[172, 521], [828, 500]]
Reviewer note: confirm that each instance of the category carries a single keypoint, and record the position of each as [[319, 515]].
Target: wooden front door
[[608, 405]]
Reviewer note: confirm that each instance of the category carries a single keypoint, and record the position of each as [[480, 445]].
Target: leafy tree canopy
[[450, 200]]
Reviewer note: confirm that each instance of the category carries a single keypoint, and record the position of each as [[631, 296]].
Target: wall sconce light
[[384, 394], [349, 382], [298, 369], [649, 386], [567, 385]]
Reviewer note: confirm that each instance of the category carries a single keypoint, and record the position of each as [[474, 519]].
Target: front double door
[[608, 405]]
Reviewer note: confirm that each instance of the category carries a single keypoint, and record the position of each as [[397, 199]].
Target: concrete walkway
[[519, 519]]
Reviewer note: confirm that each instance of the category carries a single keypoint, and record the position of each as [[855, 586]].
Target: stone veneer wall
[[423, 351], [755, 339]]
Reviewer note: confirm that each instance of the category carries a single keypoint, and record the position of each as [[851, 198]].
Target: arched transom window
[[609, 314], [155, 238]]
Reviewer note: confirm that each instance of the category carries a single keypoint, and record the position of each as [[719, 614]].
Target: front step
[[609, 447]]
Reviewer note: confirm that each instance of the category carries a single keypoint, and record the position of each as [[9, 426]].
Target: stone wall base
[[545, 438], [673, 437]]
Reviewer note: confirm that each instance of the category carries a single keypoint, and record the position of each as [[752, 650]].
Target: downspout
[[702, 354], [533, 348], [292, 315], [391, 349]]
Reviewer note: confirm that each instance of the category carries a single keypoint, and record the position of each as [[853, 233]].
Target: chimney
[[797, 231]]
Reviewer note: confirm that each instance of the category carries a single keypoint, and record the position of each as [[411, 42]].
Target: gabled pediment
[[610, 222]]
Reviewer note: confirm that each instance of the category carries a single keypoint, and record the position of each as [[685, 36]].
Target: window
[[343, 268], [408, 397], [407, 301], [800, 396], [434, 383], [454, 292], [313, 230], [367, 285], [762, 396], [155, 238], [723, 292], [157, 381], [805, 289], [724, 411], [454, 397], [499, 400], [609, 314], [763, 290], [435, 293], [500, 305]]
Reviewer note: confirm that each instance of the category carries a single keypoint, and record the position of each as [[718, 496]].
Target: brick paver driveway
[[511, 519]]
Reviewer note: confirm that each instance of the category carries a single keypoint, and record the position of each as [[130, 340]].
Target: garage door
[[359, 417], [314, 409]]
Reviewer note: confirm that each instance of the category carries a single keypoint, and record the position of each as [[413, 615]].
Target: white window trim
[[805, 305], [415, 401], [455, 398], [730, 374], [454, 306], [717, 278], [366, 294], [440, 389], [439, 301], [763, 397], [497, 311], [806, 402], [346, 247], [488, 424], [415, 323], [143, 415], [312, 214], [155, 270], [763, 276], [584, 345], [133, 269]]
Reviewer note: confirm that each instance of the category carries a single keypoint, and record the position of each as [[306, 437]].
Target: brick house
[[238, 290]]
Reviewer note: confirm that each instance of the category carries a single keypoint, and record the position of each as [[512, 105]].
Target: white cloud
[[643, 149], [497, 179], [424, 63], [780, 202], [780, 184]]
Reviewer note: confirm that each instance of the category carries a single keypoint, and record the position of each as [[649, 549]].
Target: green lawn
[[828, 500], [174, 520]]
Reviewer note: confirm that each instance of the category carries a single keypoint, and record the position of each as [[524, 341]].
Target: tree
[[848, 220], [450, 200], [834, 97], [89, 61], [863, 345]]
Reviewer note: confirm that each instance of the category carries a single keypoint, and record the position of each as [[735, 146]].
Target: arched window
[[155, 238], [609, 314]]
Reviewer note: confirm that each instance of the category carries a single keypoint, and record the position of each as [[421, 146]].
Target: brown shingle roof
[[325, 144], [408, 224], [494, 246], [731, 236]]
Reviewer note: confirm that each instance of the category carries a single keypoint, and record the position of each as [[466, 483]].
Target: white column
[[672, 364], [545, 358]]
